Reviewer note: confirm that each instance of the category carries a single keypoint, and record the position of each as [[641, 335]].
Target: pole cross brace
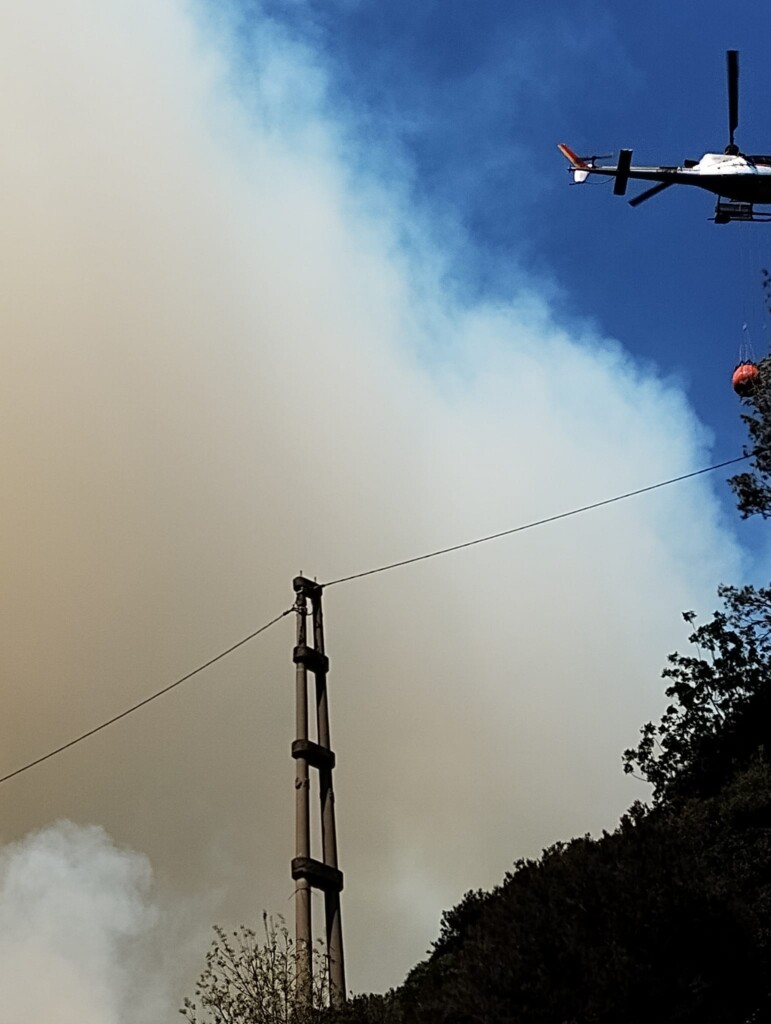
[[316, 755], [313, 660], [321, 876], [305, 587]]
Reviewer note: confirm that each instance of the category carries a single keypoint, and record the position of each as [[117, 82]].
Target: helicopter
[[738, 179]]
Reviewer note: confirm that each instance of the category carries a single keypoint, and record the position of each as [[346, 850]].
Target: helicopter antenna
[[732, 64]]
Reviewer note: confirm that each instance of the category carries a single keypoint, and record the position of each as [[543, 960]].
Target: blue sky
[[473, 98]]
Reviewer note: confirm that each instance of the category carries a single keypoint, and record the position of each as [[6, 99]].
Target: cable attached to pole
[[539, 522], [372, 572], [147, 700]]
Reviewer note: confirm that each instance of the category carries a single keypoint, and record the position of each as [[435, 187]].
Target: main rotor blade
[[732, 63], [650, 193]]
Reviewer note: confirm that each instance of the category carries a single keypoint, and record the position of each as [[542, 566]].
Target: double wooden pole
[[307, 871]]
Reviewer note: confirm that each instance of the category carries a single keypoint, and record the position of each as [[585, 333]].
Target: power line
[[360, 575], [147, 700], [538, 522]]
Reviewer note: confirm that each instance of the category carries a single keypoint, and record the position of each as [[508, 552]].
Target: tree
[[720, 713], [753, 488], [720, 706], [664, 919], [246, 981]]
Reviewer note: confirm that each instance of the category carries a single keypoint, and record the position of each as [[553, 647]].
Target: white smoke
[[72, 909], [229, 355]]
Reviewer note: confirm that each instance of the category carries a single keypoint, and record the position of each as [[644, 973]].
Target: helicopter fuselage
[[740, 177]]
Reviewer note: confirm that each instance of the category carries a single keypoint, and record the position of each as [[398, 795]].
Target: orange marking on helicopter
[[576, 161]]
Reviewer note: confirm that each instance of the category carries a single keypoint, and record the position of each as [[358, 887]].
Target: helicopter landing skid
[[729, 209]]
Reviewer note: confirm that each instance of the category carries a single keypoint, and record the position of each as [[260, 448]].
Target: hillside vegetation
[[665, 919]]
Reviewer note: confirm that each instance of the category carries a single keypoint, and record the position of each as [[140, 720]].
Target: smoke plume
[[72, 908], [231, 352]]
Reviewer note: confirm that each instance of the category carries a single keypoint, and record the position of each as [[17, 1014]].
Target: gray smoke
[[72, 909], [230, 354]]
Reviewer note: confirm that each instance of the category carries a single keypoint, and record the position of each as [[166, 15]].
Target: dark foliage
[[665, 919], [668, 918], [721, 704], [753, 488]]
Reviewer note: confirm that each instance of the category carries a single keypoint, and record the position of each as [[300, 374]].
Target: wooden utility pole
[[307, 871]]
